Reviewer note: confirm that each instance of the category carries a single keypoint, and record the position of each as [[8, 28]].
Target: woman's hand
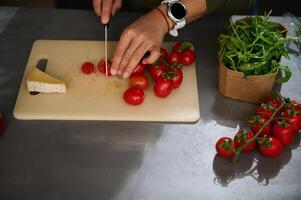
[[144, 35], [106, 8]]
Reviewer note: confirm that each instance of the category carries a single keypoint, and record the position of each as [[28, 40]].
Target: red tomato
[[157, 71], [241, 138], [138, 70], [2, 126], [266, 110], [139, 81], [225, 147], [164, 53], [188, 57], [133, 96], [102, 67], [163, 87], [275, 99], [256, 122], [270, 147], [176, 47], [180, 46], [294, 118], [174, 58], [177, 78], [87, 68], [283, 131], [294, 105]]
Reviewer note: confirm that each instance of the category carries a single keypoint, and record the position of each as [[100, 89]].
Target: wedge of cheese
[[39, 81]]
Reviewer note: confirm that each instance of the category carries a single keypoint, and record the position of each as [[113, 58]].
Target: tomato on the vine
[[138, 70], [270, 146], [294, 117], [87, 67], [225, 147], [163, 87], [157, 71], [102, 66], [294, 105], [256, 122], [133, 96], [241, 138], [275, 99], [177, 79], [180, 46], [187, 57], [139, 81], [164, 53], [266, 110], [284, 131], [175, 57]]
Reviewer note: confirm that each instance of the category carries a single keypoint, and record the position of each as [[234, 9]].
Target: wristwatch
[[176, 12]]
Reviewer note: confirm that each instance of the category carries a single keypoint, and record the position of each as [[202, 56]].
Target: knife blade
[[106, 48]]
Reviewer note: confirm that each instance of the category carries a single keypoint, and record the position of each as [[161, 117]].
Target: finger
[[97, 7], [123, 44], [128, 55], [106, 11], [116, 6], [153, 57], [135, 59]]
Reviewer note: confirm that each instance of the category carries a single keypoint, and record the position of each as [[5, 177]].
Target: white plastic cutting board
[[95, 97]]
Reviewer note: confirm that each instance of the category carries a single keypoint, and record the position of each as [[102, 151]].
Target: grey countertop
[[128, 160]]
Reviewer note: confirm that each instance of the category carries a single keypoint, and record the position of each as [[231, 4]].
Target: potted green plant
[[250, 55]]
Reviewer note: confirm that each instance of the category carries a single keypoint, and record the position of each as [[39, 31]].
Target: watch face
[[178, 10]]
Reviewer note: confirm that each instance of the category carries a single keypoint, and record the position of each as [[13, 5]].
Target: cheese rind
[[38, 81]]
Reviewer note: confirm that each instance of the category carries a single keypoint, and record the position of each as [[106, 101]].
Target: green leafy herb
[[254, 46]]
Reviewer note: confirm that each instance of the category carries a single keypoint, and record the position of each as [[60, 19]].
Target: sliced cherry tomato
[[139, 81], [164, 53], [177, 78], [294, 118], [163, 87], [225, 147], [2, 126], [138, 70], [133, 96], [266, 110], [188, 57], [241, 138], [174, 58], [157, 71], [275, 99], [270, 147], [102, 66], [284, 131], [87, 68], [256, 122]]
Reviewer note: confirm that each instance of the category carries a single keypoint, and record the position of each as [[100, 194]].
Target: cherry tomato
[[266, 110], [294, 118], [225, 147], [102, 67], [270, 147], [275, 99], [241, 138], [177, 78], [176, 47], [180, 46], [256, 122], [174, 57], [188, 57], [294, 105], [138, 70], [87, 68], [163, 87], [139, 81], [164, 53], [284, 131], [2, 126], [133, 96], [157, 71]]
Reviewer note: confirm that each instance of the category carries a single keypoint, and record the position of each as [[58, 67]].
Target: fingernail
[[125, 75], [113, 71], [119, 72], [105, 20]]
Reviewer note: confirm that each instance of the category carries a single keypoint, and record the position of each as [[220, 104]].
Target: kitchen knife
[[106, 48]]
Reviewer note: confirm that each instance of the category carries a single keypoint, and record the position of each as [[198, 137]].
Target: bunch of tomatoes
[[166, 72], [272, 128]]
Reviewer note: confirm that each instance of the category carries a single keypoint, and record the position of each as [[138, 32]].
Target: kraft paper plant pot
[[252, 89]]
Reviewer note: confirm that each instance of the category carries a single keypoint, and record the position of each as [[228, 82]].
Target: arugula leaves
[[254, 46]]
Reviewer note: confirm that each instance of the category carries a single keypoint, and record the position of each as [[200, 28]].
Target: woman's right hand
[[105, 8]]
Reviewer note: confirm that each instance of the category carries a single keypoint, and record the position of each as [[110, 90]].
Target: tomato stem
[[239, 149]]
